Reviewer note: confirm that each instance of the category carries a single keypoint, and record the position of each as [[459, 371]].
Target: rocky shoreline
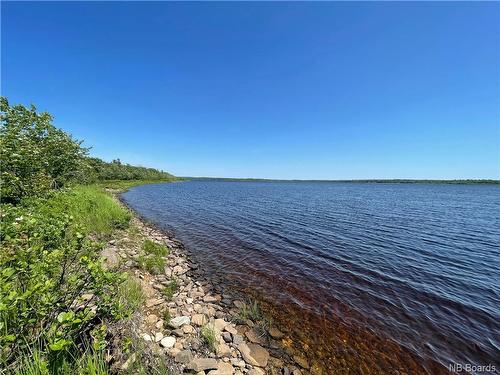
[[201, 328]]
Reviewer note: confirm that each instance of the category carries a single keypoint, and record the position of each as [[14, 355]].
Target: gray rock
[[109, 254], [227, 337], [237, 339], [179, 321], [184, 356], [178, 332]]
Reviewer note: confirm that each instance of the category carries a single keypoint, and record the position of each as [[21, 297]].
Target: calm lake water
[[374, 275]]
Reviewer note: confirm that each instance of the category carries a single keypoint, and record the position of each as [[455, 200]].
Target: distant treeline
[[36, 157], [116, 170], [377, 181]]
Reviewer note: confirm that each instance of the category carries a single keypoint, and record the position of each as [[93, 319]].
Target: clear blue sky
[[272, 90]]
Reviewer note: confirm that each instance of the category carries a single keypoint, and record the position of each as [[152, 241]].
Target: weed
[[153, 248], [209, 337], [130, 295], [250, 311], [170, 289], [166, 317], [152, 264]]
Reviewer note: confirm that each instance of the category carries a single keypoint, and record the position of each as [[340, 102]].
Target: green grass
[[250, 311], [170, 289], [151, 247], [131, 295], [209, 337], [91, 208], [152, 263], [34, 363], [127, 184], [166, 317]]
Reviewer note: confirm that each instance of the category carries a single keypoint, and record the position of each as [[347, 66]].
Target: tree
[[35, 156]]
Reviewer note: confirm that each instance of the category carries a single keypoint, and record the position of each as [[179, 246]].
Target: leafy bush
[[52, 282], [36, 156]]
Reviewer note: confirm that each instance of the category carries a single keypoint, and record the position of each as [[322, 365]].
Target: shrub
[[116, 170], [48, 267], [35, 156]]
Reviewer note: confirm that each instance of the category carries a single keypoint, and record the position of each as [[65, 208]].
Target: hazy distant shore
[[374, 181]]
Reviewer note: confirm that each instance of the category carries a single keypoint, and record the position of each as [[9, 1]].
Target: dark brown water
[[373, 278]]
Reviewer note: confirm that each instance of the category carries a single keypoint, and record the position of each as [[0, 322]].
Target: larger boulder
[[254, 354]]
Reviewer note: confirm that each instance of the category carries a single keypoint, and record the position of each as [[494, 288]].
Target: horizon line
[[373, 180]]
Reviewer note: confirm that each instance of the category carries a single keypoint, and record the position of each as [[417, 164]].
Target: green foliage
[[91, 209], [52, 281], [166, 317], [130, 294], [250, 311], [35, 156], [154, 248], [209, 337], [36, 363], [116, 170], [151, 263], [170, 289]]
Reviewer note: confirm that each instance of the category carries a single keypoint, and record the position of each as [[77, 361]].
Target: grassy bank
[[122, 185]]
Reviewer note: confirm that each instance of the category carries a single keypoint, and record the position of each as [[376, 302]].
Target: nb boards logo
[[470, 368]]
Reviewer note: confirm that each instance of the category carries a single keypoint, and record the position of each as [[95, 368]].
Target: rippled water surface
[[373, 274]]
